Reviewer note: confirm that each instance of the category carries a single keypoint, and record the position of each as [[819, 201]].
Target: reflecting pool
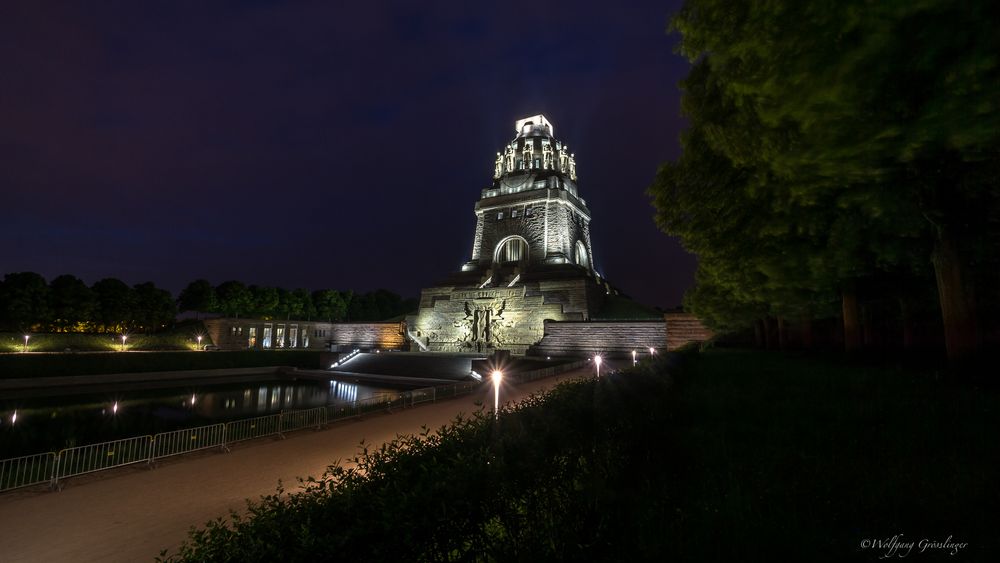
[[36, 425]]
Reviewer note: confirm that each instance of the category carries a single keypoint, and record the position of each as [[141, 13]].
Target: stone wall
[[684, 328], [259, 334], [609, 338], [464, 319]]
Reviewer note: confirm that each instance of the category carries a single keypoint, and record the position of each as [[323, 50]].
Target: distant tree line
[[67, 304], [842, 164], [235, 299]]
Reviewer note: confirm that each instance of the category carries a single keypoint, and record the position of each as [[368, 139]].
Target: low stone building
[[267, 334]]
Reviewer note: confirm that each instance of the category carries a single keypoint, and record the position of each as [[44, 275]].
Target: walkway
[[135, 514]]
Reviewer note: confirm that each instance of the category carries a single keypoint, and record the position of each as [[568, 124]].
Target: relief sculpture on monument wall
[[483, 325]]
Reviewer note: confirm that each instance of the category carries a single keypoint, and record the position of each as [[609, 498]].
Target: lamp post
[[124, 338], [199, 342], [497, 376], [26, 337], [633, 358], [597, 361]]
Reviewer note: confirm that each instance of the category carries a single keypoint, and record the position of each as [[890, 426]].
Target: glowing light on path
[[497, 377], [597, 362], [633, 358]]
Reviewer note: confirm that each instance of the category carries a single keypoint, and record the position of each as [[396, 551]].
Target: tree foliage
[[24, 300], [198, 296], [73, 303], [833, 145]]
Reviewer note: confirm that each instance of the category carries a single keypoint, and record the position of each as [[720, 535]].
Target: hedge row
[[568, 476]]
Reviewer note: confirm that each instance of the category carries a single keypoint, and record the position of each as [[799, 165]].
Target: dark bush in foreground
[[741, 456], [558, 479]]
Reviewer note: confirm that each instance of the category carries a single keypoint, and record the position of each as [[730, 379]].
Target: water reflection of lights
[[340, 391]]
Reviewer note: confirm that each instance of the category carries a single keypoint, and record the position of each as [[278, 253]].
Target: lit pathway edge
[[132, 517]]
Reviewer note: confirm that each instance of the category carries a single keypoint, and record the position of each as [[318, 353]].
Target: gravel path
[[133, 513]]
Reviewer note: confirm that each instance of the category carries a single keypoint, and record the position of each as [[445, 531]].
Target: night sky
[[297, 144]]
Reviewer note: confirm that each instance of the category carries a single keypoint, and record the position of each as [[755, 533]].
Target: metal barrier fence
[[49, 468], [250, 428], [107, 455], [295, 420], [166, 444], [27, 470]]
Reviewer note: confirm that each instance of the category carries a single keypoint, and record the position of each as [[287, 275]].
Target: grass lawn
[[778, 453]]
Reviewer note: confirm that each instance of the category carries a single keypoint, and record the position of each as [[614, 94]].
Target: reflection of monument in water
[[531, 256]]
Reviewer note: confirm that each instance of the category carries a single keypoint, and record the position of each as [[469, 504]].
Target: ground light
[[124, 338], [114, 409], [26, 337], [597, 362], [651, 352], [633, 358], [199, 342], [497, 377]]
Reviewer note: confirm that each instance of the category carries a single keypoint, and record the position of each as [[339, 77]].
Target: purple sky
[[300, 145]]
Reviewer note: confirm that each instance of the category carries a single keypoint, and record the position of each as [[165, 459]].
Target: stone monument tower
[[531, 254]]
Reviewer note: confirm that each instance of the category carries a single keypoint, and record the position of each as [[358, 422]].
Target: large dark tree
[[330, 305], [233, 298], [265, 300], [154, 307], [885, 115], [73, 303], [115, 305], [198, 296], [24, 301]]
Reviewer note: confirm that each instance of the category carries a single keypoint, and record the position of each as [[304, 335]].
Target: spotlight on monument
[[497, 376], [26, 337], [597, 362]]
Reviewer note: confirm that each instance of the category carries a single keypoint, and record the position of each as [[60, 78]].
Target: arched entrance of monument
[[582, 257], [511, 251]]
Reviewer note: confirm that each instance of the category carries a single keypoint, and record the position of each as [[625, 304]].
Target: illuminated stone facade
[[261, 334], [531, 255]]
